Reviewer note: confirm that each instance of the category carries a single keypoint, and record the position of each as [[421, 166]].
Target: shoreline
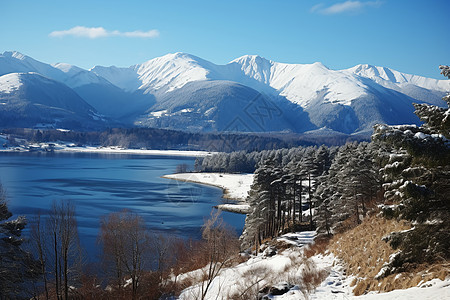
[[234, 187], [107, 150], [225, 193]]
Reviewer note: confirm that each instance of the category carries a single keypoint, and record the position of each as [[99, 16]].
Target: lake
[[99, 184]]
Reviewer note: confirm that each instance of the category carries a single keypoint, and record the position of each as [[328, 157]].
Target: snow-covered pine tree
[[341, 209], [257, 220], [418, 186], [323, 196], [311, 168], [262, 220], [296, 178]]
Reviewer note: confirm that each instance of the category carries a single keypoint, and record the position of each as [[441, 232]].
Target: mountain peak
[[177, 56], [255, 59], [320, 65], [67, 68], [172, 71], [14, 54], [181, 55], [380, 73]]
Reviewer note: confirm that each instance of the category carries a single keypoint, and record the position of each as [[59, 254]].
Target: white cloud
[[344, 7], [99, 32]]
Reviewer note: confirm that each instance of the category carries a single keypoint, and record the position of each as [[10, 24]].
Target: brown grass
[[318, 247], [312, 276], [364, 253]]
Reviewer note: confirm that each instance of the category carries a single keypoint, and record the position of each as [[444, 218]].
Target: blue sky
[[407, 35]]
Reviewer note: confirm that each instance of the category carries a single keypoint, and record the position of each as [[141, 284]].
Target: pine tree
[[418, 186], [17, 266]]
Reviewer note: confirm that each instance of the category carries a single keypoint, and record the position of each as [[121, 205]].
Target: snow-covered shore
[[138, 151], [66, 147], [235, 186]]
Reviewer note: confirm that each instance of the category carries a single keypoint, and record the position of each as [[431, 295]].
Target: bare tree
[[38, 243], [126, 248], [219, 248], [64, 247]]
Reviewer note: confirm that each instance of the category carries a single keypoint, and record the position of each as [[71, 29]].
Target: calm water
[[99, 184]]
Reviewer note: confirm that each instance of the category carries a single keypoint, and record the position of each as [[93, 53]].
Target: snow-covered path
[[255, 273], [287, 266]]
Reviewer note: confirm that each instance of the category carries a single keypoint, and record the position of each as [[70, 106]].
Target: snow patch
[[10, 83], [159, 113]]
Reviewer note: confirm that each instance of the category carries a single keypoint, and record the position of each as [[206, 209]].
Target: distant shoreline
[[104, 150]]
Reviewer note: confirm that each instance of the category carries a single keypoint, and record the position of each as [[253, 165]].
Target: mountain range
[[182, 91]]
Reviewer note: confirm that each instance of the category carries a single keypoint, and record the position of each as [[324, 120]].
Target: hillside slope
[[31, 100]]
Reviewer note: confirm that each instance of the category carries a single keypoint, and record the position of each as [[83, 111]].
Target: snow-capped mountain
[[30, 99], [349, 100], [167, 73], [107, 98], [299, 83], [72, 76], [184, 91]]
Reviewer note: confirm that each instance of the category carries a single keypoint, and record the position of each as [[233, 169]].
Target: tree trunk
[[58, 296], [310, 202]]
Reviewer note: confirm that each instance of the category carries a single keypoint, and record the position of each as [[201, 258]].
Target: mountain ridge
[[349, 100]]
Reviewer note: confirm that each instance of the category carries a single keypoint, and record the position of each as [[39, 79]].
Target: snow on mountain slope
[[299, 83], [383, 75], [218, 105], [124, 78], [29, 99], [72, 76], [167, 73], [107, 98], [10, 83], [173, 71], [16, 62], [349, 100], [421, 88], [76, 77]]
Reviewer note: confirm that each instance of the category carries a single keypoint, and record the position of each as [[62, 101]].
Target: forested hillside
[[404, 173]]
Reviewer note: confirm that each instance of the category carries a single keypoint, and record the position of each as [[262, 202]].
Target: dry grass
[[364, 253], [318, 247], [311, 276]]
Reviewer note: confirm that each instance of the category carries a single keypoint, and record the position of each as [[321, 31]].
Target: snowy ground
[[288, 266], [432, 290], [254, 274], [235, 186], [67, 147], [336, 286]]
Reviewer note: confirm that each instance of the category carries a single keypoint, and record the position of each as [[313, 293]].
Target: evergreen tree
[[17, 267], [418, 182]]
